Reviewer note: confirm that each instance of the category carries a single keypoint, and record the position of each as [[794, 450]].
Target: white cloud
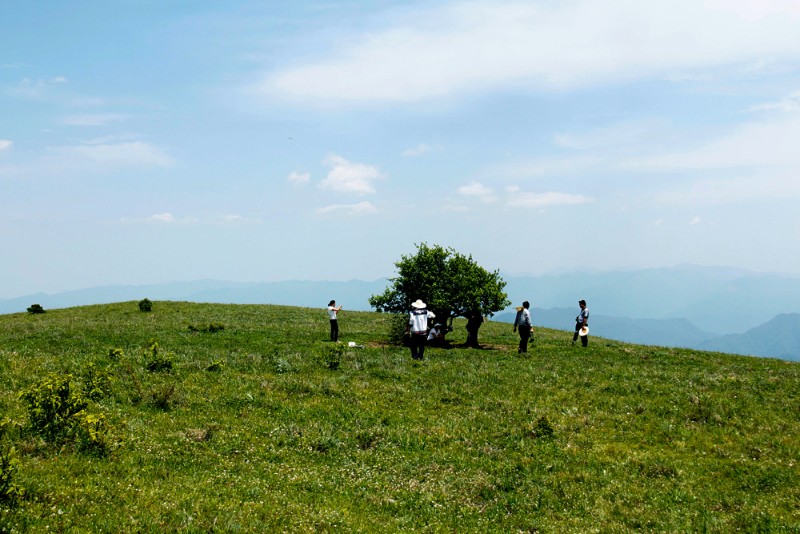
[[788, 104], [543, 200], [299, 177], [755, 144], [362, 208], [467, 46], [163, 217], [345, 176], [695, 220], [94, 119], [5, 144], [476, 189], [419, 150], [115, 155]]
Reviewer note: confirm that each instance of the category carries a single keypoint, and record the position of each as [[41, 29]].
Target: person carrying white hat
[[418, 326], [582, 325]]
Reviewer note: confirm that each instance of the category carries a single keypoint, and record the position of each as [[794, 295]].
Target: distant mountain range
[[687, 306]]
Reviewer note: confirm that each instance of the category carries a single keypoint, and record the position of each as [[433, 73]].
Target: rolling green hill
[[211, 417]]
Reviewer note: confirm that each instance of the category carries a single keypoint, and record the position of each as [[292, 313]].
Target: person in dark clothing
[[474, 322], [523, 323], [582, 325], [333, 312]]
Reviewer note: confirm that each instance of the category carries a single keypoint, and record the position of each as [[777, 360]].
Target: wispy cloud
[[469, 46], [788, 104], [362, 208], [348, 177], [478, 190], [115, 155], [5, 144], [299, 177], [543, 200], [94, 119], [417, 151]]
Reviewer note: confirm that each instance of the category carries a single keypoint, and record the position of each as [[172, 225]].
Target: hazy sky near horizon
[[149, 141]]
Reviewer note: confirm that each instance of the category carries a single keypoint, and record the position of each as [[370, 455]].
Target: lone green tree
[[450, 283]]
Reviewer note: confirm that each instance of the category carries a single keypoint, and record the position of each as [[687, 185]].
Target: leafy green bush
[[333, 359], [36, 308], [156, 361], [10, 492], [96, 382], [51, 406], [145, 305], [92, 433]]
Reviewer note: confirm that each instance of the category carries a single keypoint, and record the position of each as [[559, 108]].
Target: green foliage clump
[[97, 382], [333, 358], [35, 308], [51, 406], [543, 428], [92, 433], [156, 360], [10, 491], [115, 354], [210, 328], [145, 305], [215, 367]]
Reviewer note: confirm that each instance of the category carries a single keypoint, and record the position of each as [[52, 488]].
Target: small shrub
[[92, 433], [162, 397], [281, 366], [96, 382], [157, 362], [51, 406], [145, 305], [215, 366], [10, 492], [542, 429], [36, 308], [211, 328], [334, 357]]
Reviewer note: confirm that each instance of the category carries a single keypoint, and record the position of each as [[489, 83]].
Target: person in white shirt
[[333, 316], [418, 326], [523, 323]]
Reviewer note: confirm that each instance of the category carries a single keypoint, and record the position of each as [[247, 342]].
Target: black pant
[[418, 345], [524, 335], [584, 339], [334, 330]]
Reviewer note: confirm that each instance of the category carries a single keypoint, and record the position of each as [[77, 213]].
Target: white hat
[[584, 331], [418, 304]]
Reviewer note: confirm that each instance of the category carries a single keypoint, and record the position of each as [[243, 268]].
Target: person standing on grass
[[418, 326], [523, 323], [332, 315], [582, 325]]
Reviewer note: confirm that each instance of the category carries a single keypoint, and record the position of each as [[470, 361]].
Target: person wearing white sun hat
[[418, 326]]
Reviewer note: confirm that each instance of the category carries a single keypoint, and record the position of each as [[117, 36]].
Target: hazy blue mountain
[[778, 338], [684, 306], [713, 299], [663, 332]]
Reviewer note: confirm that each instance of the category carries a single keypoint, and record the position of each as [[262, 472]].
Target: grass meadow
[[251, 421]]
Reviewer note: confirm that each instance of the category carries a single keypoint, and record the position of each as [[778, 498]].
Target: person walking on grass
[[523, 323], [333, 312], [582, 325], [418, 326]]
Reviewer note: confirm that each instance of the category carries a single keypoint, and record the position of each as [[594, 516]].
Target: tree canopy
[[450, 283]]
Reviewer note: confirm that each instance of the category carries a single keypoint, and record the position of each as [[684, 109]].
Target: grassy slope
[[644, 437]]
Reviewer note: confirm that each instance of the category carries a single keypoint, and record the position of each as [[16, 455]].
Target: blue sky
[[150, 141]]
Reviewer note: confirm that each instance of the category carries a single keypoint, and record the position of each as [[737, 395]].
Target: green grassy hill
[[253, 428]]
